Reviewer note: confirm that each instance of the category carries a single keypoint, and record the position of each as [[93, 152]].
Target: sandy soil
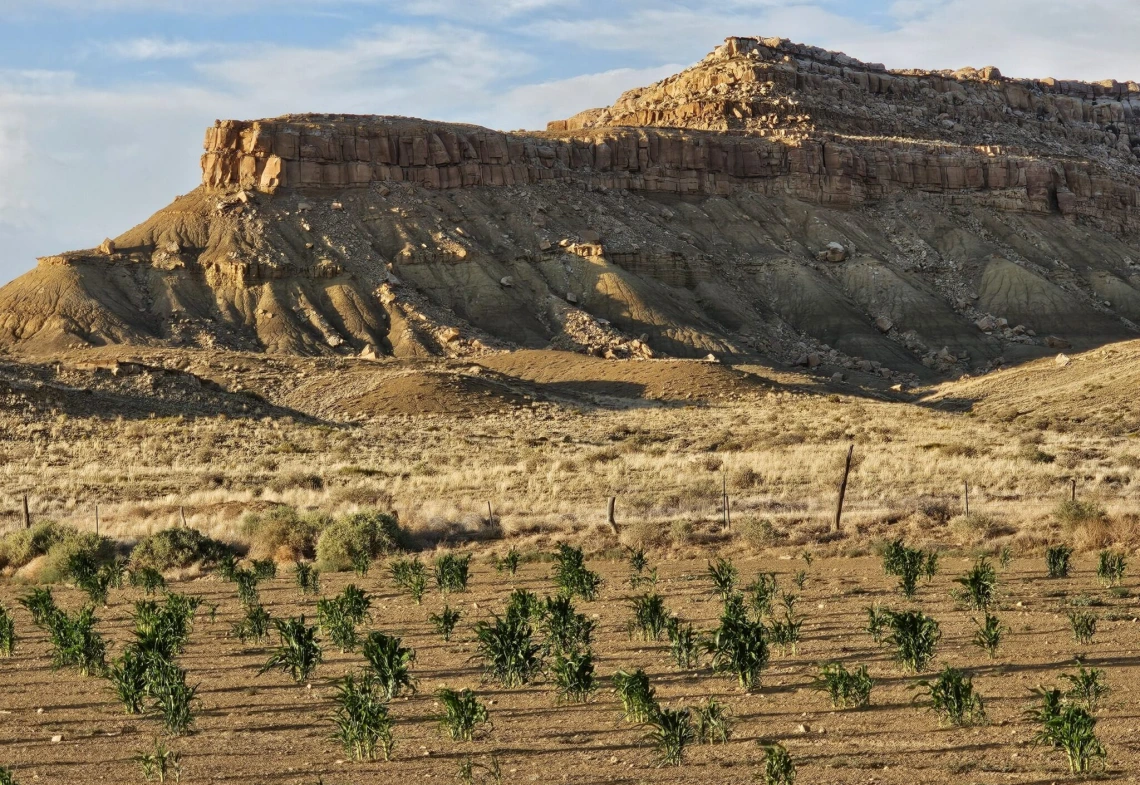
[[267, 730]]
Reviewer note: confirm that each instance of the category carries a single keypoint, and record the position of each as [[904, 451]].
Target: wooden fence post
[[27, 515], [1074, 496], [724, 501], [182, 515], [967, 484], [490, 515], [610, 514], [843, 487]]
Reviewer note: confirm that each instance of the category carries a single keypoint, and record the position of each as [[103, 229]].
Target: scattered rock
[[884, 325], [107, 247], [1062, 360], [507, 281], [835, 252]]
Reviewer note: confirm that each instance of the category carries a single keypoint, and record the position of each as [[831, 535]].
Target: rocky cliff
[[775, 199]]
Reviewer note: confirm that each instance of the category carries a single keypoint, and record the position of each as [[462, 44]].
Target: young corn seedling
[[471, 772], [712, 723], [361, 563], [445, 621], [227, 565], [1088, 687], [723, 574], [847, 689], [308, 578], [565, 630], [1072, 729], [93, 580], [739, 646], [148, 579], [337, 623], [76, 643], [129, 676], [363, 725], [451, 572], [390, 663], [523, 607], [7, 632], [638, 561], [878, 620], [786, 634], [299, 652], [908, 565], [263, 569], [953, 699], [779, 769], [914, 637], [649, 617], [160, 764], [989, 634], [246, 582], [637, 697], [1057, 560], [411, 576], [684, 643], [509, 563], [1083, 624], [670, 731], [41, 604], [7, 777], [1110, 568], [254, 626], [573, 676], [799, 579], [571, 576], [1006, 556], [761, 592], [462, 714], [173, 697], [979, 586], [510, 655]]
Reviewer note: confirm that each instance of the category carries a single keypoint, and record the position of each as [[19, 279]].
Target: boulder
[[1053, 342], [834, 252], [507, 281], [884, 325], [107, 247]]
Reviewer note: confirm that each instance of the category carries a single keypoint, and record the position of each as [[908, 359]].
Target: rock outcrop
[[775, 199]]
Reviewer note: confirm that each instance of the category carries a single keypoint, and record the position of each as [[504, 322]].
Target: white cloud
[[156, 48]]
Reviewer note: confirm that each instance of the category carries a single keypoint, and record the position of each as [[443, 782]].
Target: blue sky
[[103, 103]]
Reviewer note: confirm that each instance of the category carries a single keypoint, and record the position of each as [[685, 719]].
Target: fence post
[[182, 515], [1074, 496], [967, 484], [843, 487], [610, 514], [724, 501], [490, 515], [27, 515]]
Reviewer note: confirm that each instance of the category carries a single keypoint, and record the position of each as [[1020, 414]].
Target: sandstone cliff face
[[775, 199]]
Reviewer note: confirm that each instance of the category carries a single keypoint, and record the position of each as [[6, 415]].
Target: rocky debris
[[834, 253], [884, 325], [507, 281], [1062, 360], [107, 247], [581, 332]]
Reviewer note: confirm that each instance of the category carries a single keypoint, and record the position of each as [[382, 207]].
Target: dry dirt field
[[266, 729]]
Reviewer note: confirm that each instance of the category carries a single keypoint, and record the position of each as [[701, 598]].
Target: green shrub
[[508, 563], [650, 617], [283, 534], [761, 592], [160, 763], [41, 605], [952, 698], [76, 643], [361, 716], [908, 565], [684, 643], [254, 626], [308, 578], [785, 633], [1057, 560], [445, 621], [1072, 729], [989, 634], [722, 574], [878, 620], [7, 632], [847, 689], [1083, 624], [172, 549], [148, 579], [82, 546], [1072, 513], [739, 645], [346, 541], [20, 547], [462, 714], [411, 576], [7, 777], [565, 629]]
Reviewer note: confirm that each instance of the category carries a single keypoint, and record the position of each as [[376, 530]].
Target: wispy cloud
[[156, 49]]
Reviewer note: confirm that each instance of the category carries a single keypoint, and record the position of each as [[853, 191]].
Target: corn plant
[[41, 604], [7, 632], [160, 763], [390, 663], [786, 633], [779, 769], [670, 731], [1072, 729], [128, 675], [761, 592], [308, 578], [93, 580], [410, 575], [462, 714], [989, 634], [1110, 568], [363, 725], [799, 579], [573, 676], [684, 643], [953, 699], [510, 655], [914, 637], [246, 582], [361, 562], [452, 572], [739, 646], [523, 607], [491, 771], [337, 623], [445, 621], [148, 579], [173, 697], [254, 626], [565, 630], [649, 616], [723, 574], [1005, 558], [1057, 560], [979, 586], [636, 695], [878, 620], [711, 723], [76, 643], [299, 652], [572, 577], [264, 569], [908, 565], [847, 689], [227, 566], [509, 563], [638, 561], [1087, 688], [1083, 624], [7, 777]]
